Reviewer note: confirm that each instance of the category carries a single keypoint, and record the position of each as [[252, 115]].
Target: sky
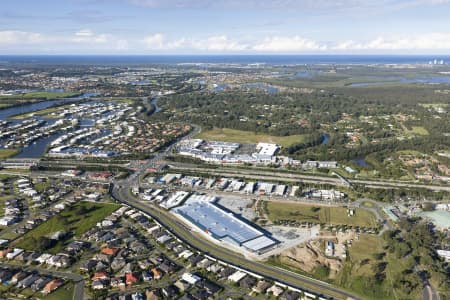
[[224, 27]]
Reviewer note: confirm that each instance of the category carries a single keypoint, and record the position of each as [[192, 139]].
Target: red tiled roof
[[130, 278], [52, 285], [110, 251], [99, 275]]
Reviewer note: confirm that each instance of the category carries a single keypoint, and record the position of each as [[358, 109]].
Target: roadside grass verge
[[7, 153]]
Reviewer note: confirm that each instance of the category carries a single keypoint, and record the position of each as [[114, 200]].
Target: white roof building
[[267, 149], [14, 253], [175, 199], [237, 276], [190, 278]]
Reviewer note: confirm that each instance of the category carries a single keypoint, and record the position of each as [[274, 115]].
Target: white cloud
[[432, 41], [8, 37], [101, 38], [122, 45], [328, 6], [155, 41], [218, 43], [289, 44], [433, 1], [180, 43], [88, 36], [84, 33], [86, 40]]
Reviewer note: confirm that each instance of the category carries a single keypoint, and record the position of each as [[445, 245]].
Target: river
[[361, 161], [325, 139], [427, 80], [154, 101], [38, 148], [261, 86], [30, 107]]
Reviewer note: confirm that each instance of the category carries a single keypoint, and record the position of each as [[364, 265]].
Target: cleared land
[[77, 219], [248, 137], [278, 211], [364, 256], [6, 153], [416, 130]]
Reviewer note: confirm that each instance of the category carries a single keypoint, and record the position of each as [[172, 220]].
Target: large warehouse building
[[223, 225]]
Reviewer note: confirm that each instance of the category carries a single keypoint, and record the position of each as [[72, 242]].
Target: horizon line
[[225, 54]]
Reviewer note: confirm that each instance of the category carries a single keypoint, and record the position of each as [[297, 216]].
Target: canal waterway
[[38, 147]]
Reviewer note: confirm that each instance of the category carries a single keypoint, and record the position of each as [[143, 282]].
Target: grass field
[[410, 152], [416, 130], [7, 153], [319, 214], [4, 177], [70, 220], [367, 204], [43, 112], [3, 199], [19, 171], [248, 137], [365, 248], [40, 95], [434, 105], [5, 105], [420, 130], [360, 265], [42, 186]]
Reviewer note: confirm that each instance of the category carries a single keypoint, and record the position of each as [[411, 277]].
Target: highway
[[295, 177], [121, 192]]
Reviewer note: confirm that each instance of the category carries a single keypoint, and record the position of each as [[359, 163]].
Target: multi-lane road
[[264, 174]]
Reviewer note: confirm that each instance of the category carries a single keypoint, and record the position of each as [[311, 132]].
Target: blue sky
[[225, 27]]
